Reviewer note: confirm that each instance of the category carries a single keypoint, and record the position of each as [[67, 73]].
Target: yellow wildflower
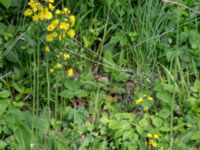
[[145, 95], [72, 20], [36, 6], [61, 36], [55, 22], [58, 65], [149, 135], [47, 49], [52, 25], [70, 72], [49, 38], [64, 26], [66, 56], [145, 108], [139, 101], [66, 11], [153, 143], [35, 18], [149, 98], [28, 12], [61, 53], [156, 136], [54, 34], [58, 12], [51, 1], [51, 7], [31, 3], [71, 33], [47, 14], [52, 70]]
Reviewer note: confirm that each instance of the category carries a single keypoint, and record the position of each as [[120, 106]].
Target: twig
[[182, 5]]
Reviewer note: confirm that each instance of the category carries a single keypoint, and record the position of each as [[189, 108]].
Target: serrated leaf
[[80, 93], [170, 87], [71, 85], [165, 98], [113, 124], [157, 122], [67, 94], [164, 113]]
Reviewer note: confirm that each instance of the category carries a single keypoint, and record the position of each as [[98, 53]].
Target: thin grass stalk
[[48, 85], [34, 97], [38, 75], [56, 97]]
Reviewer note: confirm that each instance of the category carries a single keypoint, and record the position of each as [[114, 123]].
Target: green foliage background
[[123, 50]]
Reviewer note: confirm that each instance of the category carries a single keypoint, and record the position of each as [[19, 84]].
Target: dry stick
[[182, 5]]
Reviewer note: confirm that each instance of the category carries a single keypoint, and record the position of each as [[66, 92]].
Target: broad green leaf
[[164, 113], [165, 98], [29, 40], [67, 94], [109, 2], [86, 75], [3, 29], [71, 85], [115, 39], [5, 94], [170, 87], [80, 93], [19, 88], [104, 119], [124, 125], [122, 58], [13, 57], [157, 122], [120, 76], [118, 134], [2, 145], [128, 116], [23, 136], [143, 124], [194, 46], [196, 136], [128, 134], [113, 124], [6, 3], [3, 105]]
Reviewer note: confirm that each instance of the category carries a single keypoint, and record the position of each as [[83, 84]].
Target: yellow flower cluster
[[70, 71], [62, 22], [58, 24], [65, 57], [144, 102], [63, 28], [152, 138], [139, 101], [39, 12], [47, 49]]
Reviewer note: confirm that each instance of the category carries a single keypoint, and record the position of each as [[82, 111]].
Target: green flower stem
[[48, 85]]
